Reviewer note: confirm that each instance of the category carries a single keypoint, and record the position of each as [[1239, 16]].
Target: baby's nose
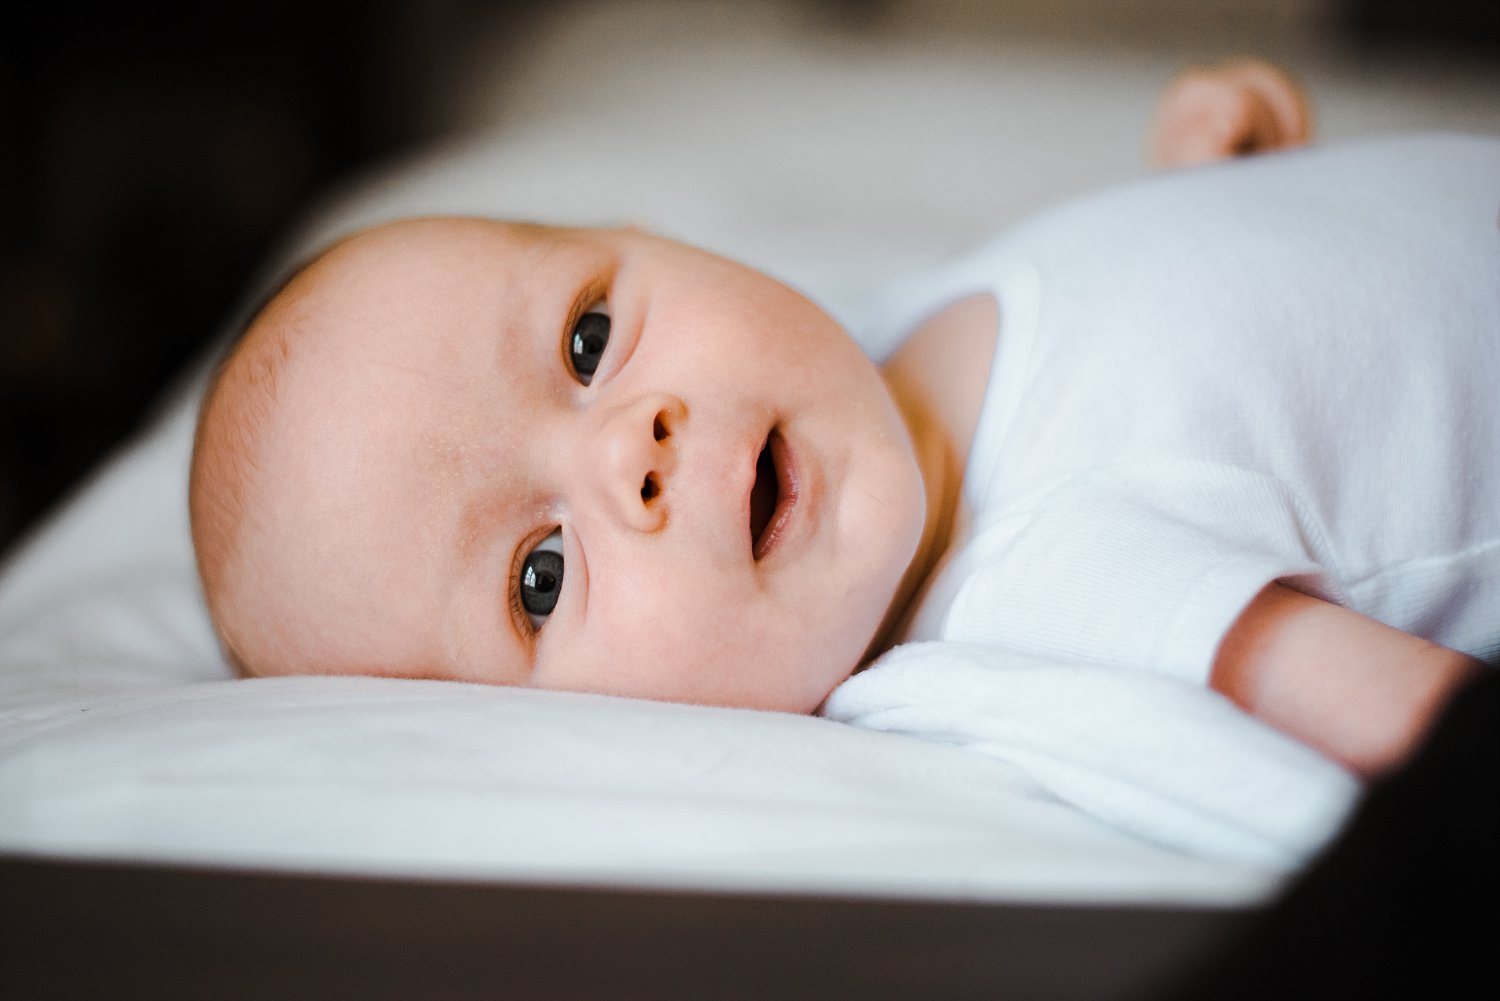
[[636, 457]]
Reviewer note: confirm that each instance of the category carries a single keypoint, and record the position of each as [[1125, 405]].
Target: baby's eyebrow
[[481, 521], [480, 594], [468, 535]]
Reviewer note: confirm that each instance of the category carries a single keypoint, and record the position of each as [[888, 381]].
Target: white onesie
[[1282, 368]]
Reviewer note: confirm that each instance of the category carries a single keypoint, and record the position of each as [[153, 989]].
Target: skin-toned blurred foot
[[1235, 108]]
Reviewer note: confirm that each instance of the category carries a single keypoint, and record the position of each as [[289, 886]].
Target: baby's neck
[[938, 380]]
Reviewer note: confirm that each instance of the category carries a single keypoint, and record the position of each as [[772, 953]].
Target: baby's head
[[591, 460]]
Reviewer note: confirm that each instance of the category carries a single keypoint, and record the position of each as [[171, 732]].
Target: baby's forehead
[[405, 241], [397, 296], [403, 264], [325, 411]]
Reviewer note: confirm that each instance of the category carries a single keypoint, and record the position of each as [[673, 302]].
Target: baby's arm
[[1232, 109], [1354, 688]]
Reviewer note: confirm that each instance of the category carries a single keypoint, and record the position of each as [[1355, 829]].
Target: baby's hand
[[1233, 109]]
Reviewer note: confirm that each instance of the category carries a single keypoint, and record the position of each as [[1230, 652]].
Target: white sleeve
[[1178, 765], [1143, 566]]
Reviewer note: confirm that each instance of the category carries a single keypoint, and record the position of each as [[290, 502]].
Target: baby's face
[[585, 460]]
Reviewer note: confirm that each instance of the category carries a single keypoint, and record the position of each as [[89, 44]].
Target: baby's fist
[[1236, 108]]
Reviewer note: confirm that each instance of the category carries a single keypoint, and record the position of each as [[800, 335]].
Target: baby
[[601, 461]]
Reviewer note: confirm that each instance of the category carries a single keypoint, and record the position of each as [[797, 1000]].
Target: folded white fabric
[[1164, 760]]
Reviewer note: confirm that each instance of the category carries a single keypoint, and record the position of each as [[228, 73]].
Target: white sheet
[[833, 164], [124, 736]]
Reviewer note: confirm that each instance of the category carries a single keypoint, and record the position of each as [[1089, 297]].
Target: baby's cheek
[[724, 657], [797, 659], [704, 641]]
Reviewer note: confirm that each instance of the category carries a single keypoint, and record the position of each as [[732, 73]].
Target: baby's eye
[[541, 579], [586, 344]]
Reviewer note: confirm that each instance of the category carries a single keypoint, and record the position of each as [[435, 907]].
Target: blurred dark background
[[152, 151]]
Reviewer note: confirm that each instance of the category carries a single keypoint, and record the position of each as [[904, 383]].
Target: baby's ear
[[635, 226]]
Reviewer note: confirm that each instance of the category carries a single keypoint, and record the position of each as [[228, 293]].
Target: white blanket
[[1172, 763]]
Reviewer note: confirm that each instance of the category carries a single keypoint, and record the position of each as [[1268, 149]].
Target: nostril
[[659, 428], [649, 489]]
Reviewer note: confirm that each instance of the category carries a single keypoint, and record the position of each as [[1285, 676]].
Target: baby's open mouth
[[772, 496]]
